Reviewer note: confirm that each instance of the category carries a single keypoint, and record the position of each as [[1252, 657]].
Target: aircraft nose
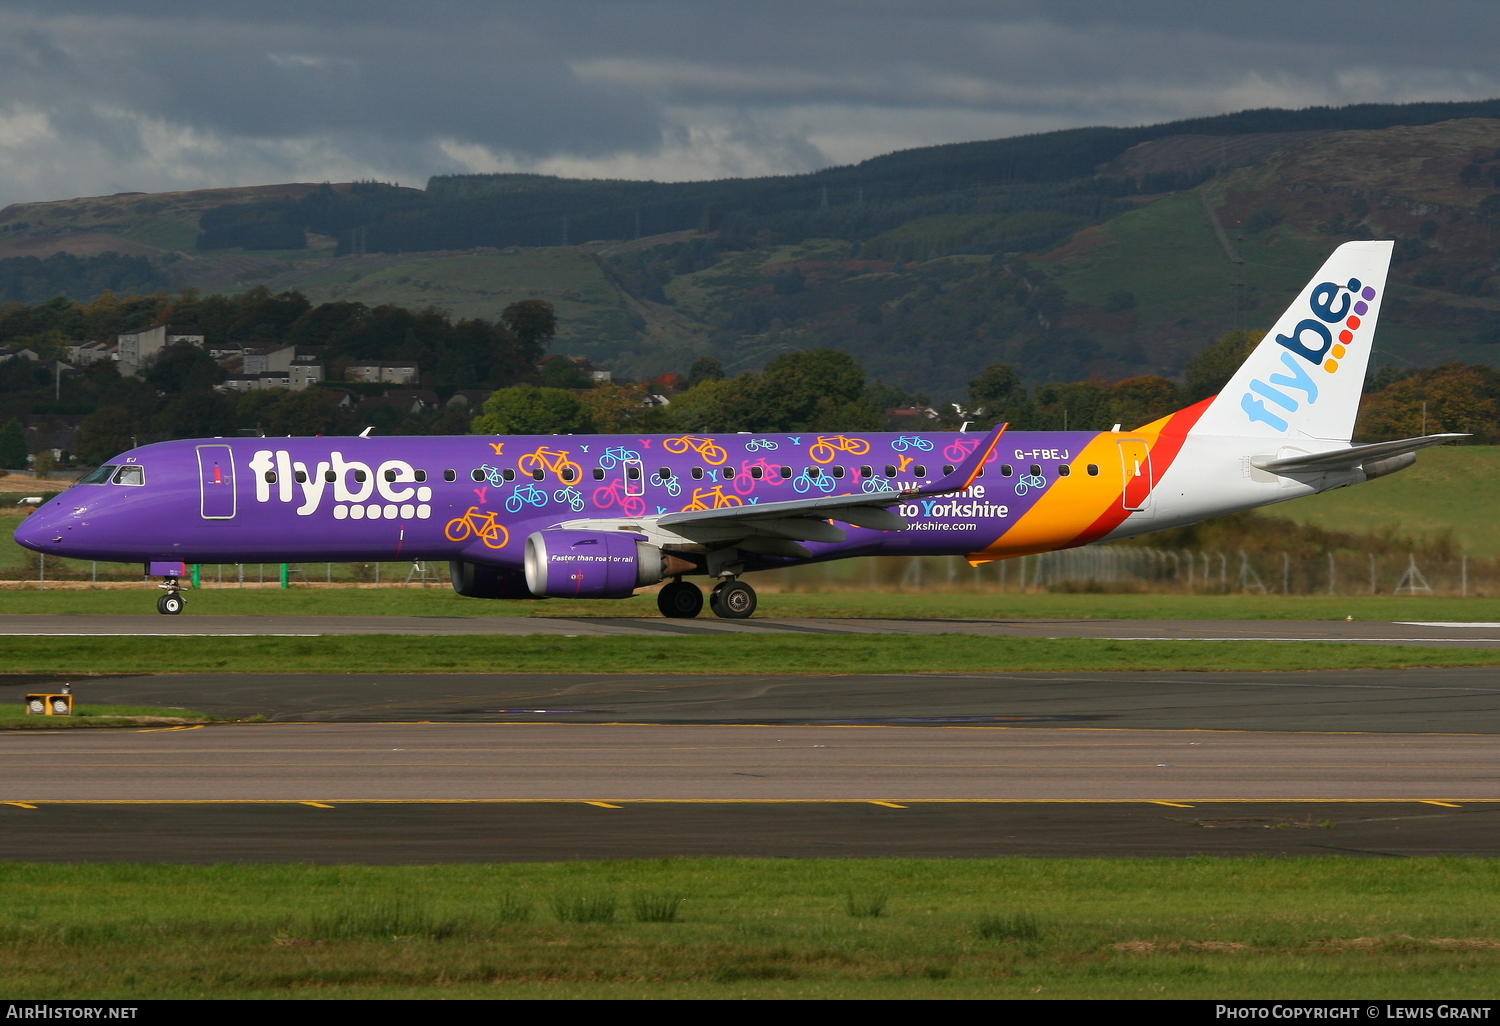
[[42, 530]]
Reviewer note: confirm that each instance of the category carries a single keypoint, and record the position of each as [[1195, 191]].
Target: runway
[[1444, 699], [1463, 635]]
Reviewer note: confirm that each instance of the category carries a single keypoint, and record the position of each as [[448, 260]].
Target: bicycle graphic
[[745, 483], [549, 459], [617, 454], [572, 496], [523, 494], [757, 444], [484, 526], [962, 448], [905, 442], [828, 446], [802, 483], [495, 475], [872, 485], [712, 454], [701, 497], [673, 486], [1028, 481], [608, 495]]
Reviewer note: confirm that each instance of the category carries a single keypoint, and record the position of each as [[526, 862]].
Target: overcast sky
[[133, 95]]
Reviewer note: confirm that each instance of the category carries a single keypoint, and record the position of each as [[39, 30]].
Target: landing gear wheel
[[680, 600], [171, 604], [733, 600]]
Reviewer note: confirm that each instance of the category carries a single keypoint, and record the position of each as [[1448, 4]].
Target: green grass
[[792, 653], [12, 718], [1452, 487], [1000, 928], [441, 601]]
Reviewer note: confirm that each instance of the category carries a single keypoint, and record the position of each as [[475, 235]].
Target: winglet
[[964, 474]]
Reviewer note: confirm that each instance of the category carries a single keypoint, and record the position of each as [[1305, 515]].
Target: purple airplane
[[595, 516]]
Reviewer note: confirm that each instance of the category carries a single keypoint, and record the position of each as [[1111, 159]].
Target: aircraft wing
[[806, 519], [1351, 457]]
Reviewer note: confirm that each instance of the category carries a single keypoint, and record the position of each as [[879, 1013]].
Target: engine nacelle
[[590, 564], [476, 580]]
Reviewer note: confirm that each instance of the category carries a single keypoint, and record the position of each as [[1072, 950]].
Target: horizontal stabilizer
[[1348, 459]]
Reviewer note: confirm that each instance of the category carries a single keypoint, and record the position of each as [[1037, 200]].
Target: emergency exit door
[[216, 482], [1135, 469]]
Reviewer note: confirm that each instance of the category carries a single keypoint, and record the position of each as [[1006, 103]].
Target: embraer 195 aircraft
[[598, 516]]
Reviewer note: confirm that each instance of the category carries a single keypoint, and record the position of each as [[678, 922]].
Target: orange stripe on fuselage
[[1079, 509]]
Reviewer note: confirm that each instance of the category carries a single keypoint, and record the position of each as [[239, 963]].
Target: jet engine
[[595, 564], [476, 580]]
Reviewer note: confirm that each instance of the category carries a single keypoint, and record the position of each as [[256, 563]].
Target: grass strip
[[1332, 927], [101, 716], [441, 601], [781, 653]]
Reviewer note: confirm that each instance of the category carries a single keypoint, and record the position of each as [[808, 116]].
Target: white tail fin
[[1304, 379]]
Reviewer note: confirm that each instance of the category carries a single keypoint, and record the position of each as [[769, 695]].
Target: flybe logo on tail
[[1335, 308]]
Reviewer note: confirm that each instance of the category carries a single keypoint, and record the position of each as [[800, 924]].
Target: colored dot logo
[[1365, 295]]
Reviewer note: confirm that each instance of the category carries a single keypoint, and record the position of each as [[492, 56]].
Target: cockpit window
[[130, 476], [100, 476]]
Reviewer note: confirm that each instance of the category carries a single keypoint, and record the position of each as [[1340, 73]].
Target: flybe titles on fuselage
[[392, 490]]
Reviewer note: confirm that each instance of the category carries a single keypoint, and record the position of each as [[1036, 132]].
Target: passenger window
[[757, 472], [390, 475], [947, 470], [270, 477], [510, 475], [697, 473], [664, 474], [1005, 470], [477, 475], [1035, 470], [866, 471], [838, 471], [330, 476], [100, 476], [598, 473], [568, 473], [300, 477], [632, 473], [538, 474], [786, 472], [450, 475], [919, 470], [1093, 470], [1063, 470], [420, 475], [890, 471], [728, 472], [813, 472], [359, 475], [981, 472], [130, 476]]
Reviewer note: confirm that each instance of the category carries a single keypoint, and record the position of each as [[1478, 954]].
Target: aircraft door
[[1135, 469], [635, 478], [216, 482]]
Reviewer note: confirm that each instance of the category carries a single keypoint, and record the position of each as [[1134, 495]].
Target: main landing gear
[[170, 604], [731, 599]]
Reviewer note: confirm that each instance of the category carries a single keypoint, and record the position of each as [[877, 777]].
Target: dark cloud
[[154, 94]]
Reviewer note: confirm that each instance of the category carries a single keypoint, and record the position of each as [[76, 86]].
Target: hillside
[[1089, 252]]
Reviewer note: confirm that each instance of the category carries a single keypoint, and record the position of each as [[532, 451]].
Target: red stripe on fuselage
[[1168, 445]]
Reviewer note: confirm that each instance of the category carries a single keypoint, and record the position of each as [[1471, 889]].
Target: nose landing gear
[[170, 604]]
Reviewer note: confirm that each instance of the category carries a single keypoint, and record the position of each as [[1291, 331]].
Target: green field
[[1449, 488], [732, 928], [737, 653]]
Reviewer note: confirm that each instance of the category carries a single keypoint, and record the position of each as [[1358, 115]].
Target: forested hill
[[1050, 171]]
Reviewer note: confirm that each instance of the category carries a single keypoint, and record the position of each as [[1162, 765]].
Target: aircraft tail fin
[[1305, 378]]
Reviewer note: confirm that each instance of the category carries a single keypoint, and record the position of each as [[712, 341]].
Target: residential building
[[139, 348], [383, 372], [84, 353]]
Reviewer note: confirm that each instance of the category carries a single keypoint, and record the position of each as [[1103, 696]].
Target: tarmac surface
[[1443, 634], [1444, 699]]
